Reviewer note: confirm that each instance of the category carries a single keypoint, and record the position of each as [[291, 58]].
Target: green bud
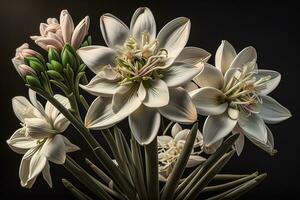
[[55, 75], [36, 65], [33, 81], [82, 67], [53, 55], [57, 66], [67, 57]]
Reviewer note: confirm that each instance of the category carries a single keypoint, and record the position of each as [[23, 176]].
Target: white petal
[[38, 128], [157, 93], [61, 123], [246, 56], [269, 146], [179, 73], [190, 86], [142, 92], [210, 76], [51, 111], [212, 148], [194, 56], [253, 126], [270, 84], [96, 57], [174, 36], [224, 56], [195, 160], [163, 140], [19, 143], [126, 99], [99, 86], [209, 101], [175, 129], [67, 26], [273, 112], [181, 135], [69, 146], [143, 22], [37, 164], [114, 31], [216, 128], [100, 114], [239, 144], [24, 109], [144, 124], [54, 149], [180, 108], [24, 172], [35, 102], [47, 175]]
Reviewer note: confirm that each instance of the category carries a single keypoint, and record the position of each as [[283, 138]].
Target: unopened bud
[[25, 70], [33, 81], [53, 55]]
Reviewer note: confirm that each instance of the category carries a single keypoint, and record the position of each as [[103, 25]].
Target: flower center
[[138, 61], [242, 89]]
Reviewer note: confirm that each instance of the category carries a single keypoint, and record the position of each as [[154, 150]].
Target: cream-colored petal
[[273, 112], [100, 114], [175, 129], [143, 22], [35, 102], [144, 124], [99, 86], [190, 87], [97, 57], [195, 160], [157, 93], [271, 84], [246, 56], [180, 108], [126, 99], [269, 146], [37, 164], [19, 143], [69, 147], [38, 128], [47, 175], [174, 36], [224, 56], [113, 30], [24, 172], [216, 128], [80, 32], [24, 109], [253, 126], [212, 148], [179, 73], [210, 76], [51, 111], [67, 25], [209, 101], [61, 123], [194, 56], [54, 149], [181, 135], [239, 144], [163, 140]]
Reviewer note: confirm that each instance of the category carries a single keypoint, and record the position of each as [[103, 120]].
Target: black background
[[269, 27]]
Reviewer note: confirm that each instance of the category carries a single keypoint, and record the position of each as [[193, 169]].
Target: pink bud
[[67, 26], [25, 70], [80, 32]]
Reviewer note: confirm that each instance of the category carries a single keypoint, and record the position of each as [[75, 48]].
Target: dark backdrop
[[270, 27]]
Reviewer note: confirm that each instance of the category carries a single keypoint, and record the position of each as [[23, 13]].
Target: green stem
[[151, 157], [75, 191], [99, 152]]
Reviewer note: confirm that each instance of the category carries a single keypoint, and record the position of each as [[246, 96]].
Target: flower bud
[[25, 70], [53, 55], [67, 57], [56, 66], [33, 81], [80, 32], [55, 75], [67, 26], [35, 64]]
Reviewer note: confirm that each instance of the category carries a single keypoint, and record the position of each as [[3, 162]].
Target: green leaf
[[180, 165], [187, 184]]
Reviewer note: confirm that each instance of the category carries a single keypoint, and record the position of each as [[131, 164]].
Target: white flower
[[39, 139], [169, 149], [56, 34], [234, 96], [139, 74]]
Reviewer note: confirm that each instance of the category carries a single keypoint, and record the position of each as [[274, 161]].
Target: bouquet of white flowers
[[158, 83]]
